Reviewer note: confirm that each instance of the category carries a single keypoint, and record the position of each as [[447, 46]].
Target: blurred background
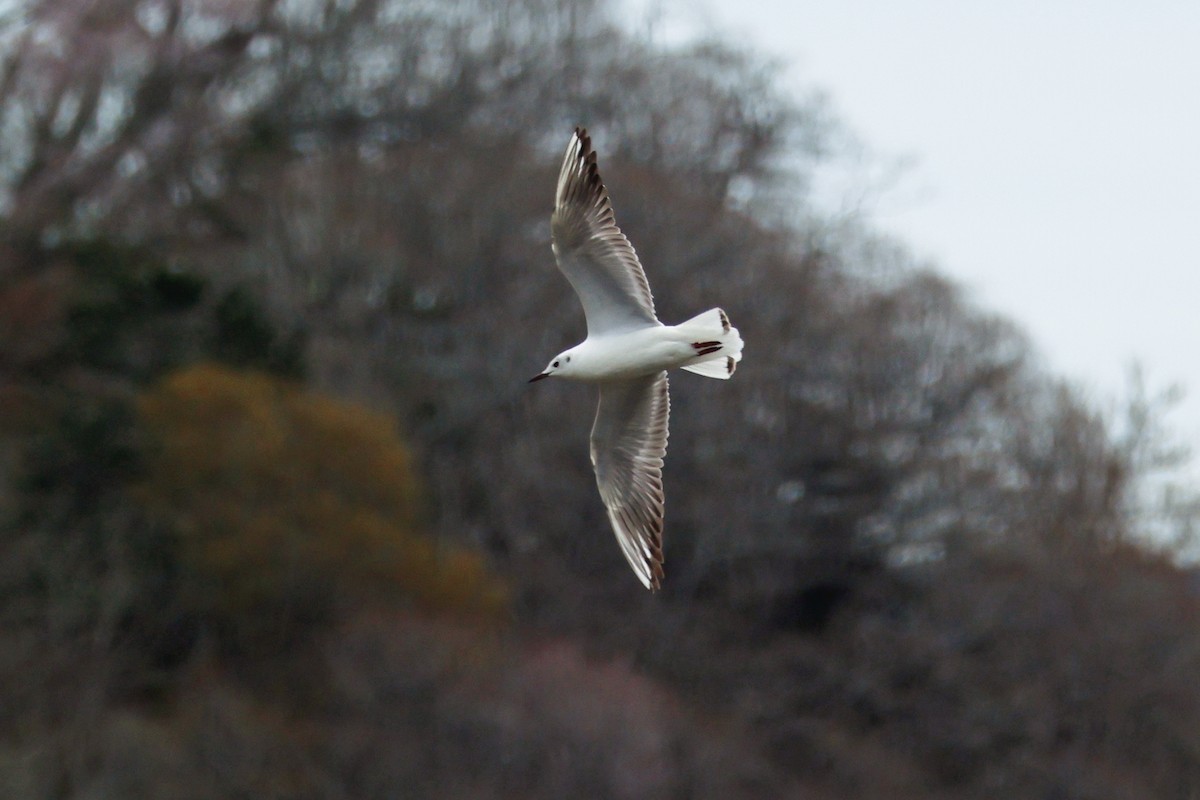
[[1037, 154], [280, 517]]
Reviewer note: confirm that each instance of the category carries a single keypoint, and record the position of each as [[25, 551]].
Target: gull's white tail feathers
[[718, 343]]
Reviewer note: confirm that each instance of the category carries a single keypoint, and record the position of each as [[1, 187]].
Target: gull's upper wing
[[591, 250], [629, 441]]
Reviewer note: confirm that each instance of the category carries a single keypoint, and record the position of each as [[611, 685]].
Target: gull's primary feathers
[[591, 250], [627, 352]]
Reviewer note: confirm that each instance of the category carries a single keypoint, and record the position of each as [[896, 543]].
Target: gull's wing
[[629, 441], [591, 250]]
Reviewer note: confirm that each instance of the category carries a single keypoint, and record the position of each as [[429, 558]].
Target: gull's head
[[560, 365]]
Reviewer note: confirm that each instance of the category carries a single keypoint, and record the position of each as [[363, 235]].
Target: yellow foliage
[[283, 497]]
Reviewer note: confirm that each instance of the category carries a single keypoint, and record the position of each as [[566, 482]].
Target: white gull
[[627, 353]]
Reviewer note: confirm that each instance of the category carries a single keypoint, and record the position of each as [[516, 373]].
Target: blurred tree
[[141, 115], [88, 581], [111, 110], [1039, 675], [895, 544], [290, 505]]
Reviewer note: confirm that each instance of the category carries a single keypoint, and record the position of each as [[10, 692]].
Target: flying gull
[[627, 353]]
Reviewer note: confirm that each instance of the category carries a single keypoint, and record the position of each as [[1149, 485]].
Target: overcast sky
[[1055, 152]]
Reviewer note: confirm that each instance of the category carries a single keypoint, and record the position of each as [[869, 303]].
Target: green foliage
[[289, 503], [124, 297], [89, 450], [243, 336], [132, 314]]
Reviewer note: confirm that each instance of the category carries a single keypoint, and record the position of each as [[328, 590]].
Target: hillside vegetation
[[280, 517]]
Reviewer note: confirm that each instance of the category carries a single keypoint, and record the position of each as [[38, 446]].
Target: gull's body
[[627, 353], [630, 355]]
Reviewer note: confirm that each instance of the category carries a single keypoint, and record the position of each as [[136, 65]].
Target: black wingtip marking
[[730, 364], [587, 156], [725, 326], [656, 576]]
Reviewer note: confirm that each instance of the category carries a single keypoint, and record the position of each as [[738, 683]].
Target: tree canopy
[[279, 514]]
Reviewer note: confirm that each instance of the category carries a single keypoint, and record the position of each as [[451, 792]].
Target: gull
[[627, 353]]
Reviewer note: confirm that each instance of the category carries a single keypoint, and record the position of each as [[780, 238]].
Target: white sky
[[1056, 156]]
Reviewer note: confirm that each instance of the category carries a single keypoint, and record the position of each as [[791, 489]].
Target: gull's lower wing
[[591, 250], [629, 441]]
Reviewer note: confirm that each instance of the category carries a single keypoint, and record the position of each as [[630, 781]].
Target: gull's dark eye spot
[[568, 359], [555, 364]]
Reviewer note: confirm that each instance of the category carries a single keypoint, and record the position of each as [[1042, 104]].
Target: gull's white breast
[[643, 351]]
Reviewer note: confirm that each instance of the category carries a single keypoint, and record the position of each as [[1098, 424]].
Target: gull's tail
[[718, 344]]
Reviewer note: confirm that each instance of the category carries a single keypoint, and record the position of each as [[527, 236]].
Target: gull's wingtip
[[651, 577], [583, 142], [655, 583]]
